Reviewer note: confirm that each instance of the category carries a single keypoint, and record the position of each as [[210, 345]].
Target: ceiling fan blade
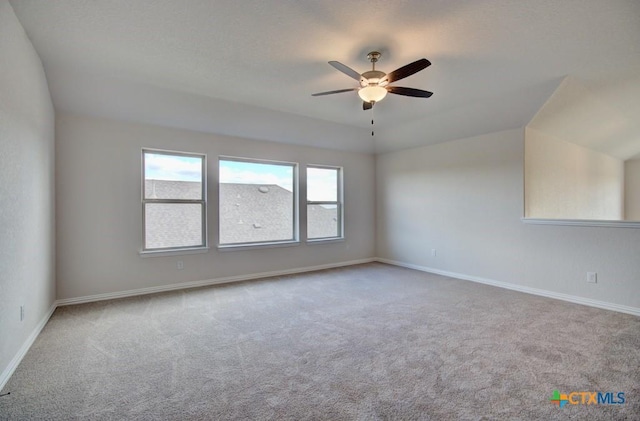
[[406, 71], [334, 92], [367, 105], [398, 90], [346, 70]]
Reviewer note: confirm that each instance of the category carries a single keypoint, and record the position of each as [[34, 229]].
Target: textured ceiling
[[248, 67]]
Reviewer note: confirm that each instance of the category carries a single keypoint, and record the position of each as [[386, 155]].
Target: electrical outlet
[[22, 312], [180, 265], [592, 277], [434, 252]]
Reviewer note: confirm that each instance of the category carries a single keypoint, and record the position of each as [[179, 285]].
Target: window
[[258, 203], [173, 200], [324, 203]]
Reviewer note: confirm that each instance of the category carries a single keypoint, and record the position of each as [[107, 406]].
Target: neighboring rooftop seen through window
[[324, 203], [174, 200], [257, 202]]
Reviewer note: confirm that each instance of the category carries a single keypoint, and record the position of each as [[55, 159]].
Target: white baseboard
[[207, 282], [8, 371], [6, 374], [535, 291], [15, 362]]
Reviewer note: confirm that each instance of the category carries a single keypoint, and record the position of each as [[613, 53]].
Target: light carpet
[[367, 342]]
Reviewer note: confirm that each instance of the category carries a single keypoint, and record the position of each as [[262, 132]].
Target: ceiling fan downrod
[[373, 57]]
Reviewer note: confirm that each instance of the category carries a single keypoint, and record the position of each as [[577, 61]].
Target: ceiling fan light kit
[[374, 84], [372, 93]]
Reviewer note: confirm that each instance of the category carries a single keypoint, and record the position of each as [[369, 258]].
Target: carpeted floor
[[368, 342]]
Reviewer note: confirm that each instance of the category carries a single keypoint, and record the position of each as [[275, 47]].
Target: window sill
[[326, 240], [232, 247], [174, 252], [582, 222]]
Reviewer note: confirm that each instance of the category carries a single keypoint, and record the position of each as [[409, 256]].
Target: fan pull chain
[[371, 121]]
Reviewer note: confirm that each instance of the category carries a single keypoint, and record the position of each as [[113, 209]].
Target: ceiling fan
[[374, 84]]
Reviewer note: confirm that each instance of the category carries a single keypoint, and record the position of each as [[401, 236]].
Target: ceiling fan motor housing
[[371, 78]]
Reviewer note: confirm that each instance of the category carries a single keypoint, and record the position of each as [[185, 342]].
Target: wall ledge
[[528, 290], [582, 222]]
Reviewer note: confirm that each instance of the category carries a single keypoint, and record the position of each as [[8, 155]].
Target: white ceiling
[[248, 68]]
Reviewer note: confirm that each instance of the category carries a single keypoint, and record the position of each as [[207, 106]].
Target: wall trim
[[206, 282], [582, 222], [528, 290], [15, 362], [17, 359]]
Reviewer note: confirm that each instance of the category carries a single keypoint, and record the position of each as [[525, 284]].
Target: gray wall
[[26, 189], [99, 211], [465, 199], [632, 189]]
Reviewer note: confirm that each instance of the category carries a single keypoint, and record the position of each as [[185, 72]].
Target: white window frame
[[295, 240], [203, 247], [339, 203]]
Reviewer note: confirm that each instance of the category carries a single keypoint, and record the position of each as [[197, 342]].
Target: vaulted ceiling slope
[[248, 68], [601, 115]]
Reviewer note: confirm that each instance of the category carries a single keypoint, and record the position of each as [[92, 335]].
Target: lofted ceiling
[[248, 68], [601, 115]]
